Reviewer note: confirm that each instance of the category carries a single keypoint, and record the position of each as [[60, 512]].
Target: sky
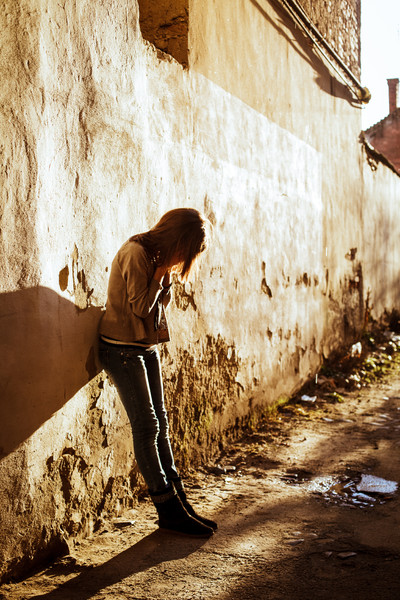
[[380, 54]]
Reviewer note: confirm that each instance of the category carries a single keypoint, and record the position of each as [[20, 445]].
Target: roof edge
[[372, 128], [373, 156]]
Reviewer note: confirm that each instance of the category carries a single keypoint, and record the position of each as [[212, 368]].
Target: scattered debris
[[220, 470], [344, 555], [356, 349], [376, 485], [120, 522], [363, 363], [336, 397], [295, 476], [362, 491], [306, 398], [295, 542]]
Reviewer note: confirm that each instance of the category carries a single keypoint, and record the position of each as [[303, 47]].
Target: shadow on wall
[[48, 350], [324, 79]]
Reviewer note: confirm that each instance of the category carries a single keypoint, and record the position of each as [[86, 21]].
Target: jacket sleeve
[[137, 271]]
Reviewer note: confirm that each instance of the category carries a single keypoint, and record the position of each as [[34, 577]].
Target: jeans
[[136, 373]]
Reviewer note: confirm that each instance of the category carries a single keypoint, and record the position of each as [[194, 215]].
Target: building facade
[[384, 136]]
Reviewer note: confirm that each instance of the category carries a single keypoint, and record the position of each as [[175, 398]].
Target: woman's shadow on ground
[[156, 548]]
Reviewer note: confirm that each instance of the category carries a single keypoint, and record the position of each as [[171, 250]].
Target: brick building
[[384, 136]]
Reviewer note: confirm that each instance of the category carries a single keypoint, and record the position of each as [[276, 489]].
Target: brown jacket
[[133, 299]]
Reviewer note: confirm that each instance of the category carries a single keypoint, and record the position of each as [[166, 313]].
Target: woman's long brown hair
[[180, 232]]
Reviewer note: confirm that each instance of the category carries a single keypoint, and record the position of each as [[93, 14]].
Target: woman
[[133, 324]]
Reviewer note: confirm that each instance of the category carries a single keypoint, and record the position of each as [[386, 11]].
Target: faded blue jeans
[[136, 373]]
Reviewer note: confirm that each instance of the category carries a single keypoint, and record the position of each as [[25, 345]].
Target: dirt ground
[[294, 519]]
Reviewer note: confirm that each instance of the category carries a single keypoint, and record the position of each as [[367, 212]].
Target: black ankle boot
[[178, 485], [173, 516]]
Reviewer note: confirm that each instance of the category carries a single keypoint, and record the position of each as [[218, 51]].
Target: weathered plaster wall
[[294, 89], [100, 136]]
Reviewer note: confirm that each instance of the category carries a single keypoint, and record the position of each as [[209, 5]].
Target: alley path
[[294, 521]]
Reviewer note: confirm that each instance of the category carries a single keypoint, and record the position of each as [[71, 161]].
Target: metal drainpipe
[[300, 18]]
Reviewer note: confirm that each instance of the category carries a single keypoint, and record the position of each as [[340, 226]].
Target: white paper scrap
[[377, 485]]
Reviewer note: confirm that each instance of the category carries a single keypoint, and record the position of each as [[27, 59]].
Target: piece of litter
[[295, 542], [120, 523], [356, 349], [306, 398], [364, 497], [377, 485], [328, 554], [354, 377], [222, 470], [344, 555]]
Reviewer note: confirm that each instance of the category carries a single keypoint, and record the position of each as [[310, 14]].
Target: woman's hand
[[160, 273]]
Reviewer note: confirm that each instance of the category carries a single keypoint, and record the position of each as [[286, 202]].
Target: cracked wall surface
[[102, 134]]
